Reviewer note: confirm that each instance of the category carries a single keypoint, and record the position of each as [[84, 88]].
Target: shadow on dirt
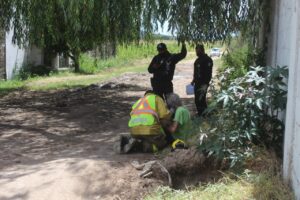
[[43, 124], [70, 131]]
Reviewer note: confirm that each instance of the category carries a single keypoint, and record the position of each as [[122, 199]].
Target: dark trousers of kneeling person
[[150, 143], [142, 143], [200, 98], [162, 87], [145, 143]]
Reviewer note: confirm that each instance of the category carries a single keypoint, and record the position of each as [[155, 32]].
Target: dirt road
[[59, 144]]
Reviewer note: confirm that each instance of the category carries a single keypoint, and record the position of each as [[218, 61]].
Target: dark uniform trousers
[[200, 98], [162, 88]]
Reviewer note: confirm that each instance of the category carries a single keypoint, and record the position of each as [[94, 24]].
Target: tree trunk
[[262, 40], [114, 48], [76, 64], [75, 57]]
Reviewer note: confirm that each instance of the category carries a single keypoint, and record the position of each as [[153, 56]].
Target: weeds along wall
[[239, 114]]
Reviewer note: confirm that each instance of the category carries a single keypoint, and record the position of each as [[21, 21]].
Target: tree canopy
[[72, 27]]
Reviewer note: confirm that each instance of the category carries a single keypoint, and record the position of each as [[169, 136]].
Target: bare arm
[[172, 128], [165, 123]]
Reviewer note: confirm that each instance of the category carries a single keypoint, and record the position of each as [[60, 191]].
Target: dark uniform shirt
[[203, 70], [162, 65]]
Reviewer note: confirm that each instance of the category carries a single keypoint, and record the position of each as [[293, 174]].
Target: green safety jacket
[[143, 112]]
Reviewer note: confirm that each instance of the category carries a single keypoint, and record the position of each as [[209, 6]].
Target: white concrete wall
[[284, 49], [17, 57]]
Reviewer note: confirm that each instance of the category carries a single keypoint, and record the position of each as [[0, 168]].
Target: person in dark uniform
[[162, 67], [202, 76]]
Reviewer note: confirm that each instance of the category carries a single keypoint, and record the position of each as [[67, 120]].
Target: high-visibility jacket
[[144, 112]]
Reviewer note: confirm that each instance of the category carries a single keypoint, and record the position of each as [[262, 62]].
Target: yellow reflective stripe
[[137, 112], [147, 109], [143, 112], [138, 120], [136, 104], [141, 101]]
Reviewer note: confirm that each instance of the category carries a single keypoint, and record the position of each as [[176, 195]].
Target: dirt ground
[[59, 144]]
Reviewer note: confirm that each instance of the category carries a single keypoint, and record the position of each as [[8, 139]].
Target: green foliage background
[[126, 54]]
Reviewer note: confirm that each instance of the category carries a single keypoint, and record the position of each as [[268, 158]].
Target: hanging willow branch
[[72, 27], [124, 20]]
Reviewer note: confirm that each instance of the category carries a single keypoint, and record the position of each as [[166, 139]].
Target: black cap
[[161, 47], [200, 46]]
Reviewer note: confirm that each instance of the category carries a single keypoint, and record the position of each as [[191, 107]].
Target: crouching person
[[181, 125], [148, 118]]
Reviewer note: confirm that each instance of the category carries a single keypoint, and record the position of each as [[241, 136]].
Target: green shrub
[[239, 56], [29, 70], [245, 112], [23, 73], [237, 61]]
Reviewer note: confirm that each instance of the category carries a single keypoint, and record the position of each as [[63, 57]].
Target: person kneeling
[[181, 125], [148, 118]]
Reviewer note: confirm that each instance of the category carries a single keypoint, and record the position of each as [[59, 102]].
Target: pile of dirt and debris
[[184, 161], [180, 168]]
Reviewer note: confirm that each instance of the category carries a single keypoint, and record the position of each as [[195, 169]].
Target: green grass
[[260, 180], [9, 86], [260, 186], [130, 58], [126, 56], [218, 63], [66, 79], [72, 80]]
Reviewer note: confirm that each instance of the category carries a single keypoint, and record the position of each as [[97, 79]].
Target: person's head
[[161, 48], [148, 92], [173, 101], [200, 49], [152, 92]]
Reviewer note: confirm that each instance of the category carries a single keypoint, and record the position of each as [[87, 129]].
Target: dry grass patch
[[261, 180]]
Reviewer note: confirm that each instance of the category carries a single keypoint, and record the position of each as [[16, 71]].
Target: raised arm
[[179, 56]]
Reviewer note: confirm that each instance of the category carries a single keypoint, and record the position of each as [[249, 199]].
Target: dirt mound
[[184, 161], [179, 169], [190, 167]]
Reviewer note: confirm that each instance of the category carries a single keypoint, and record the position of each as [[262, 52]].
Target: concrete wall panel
[[284, 49], [14, 56], [17, 57]]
